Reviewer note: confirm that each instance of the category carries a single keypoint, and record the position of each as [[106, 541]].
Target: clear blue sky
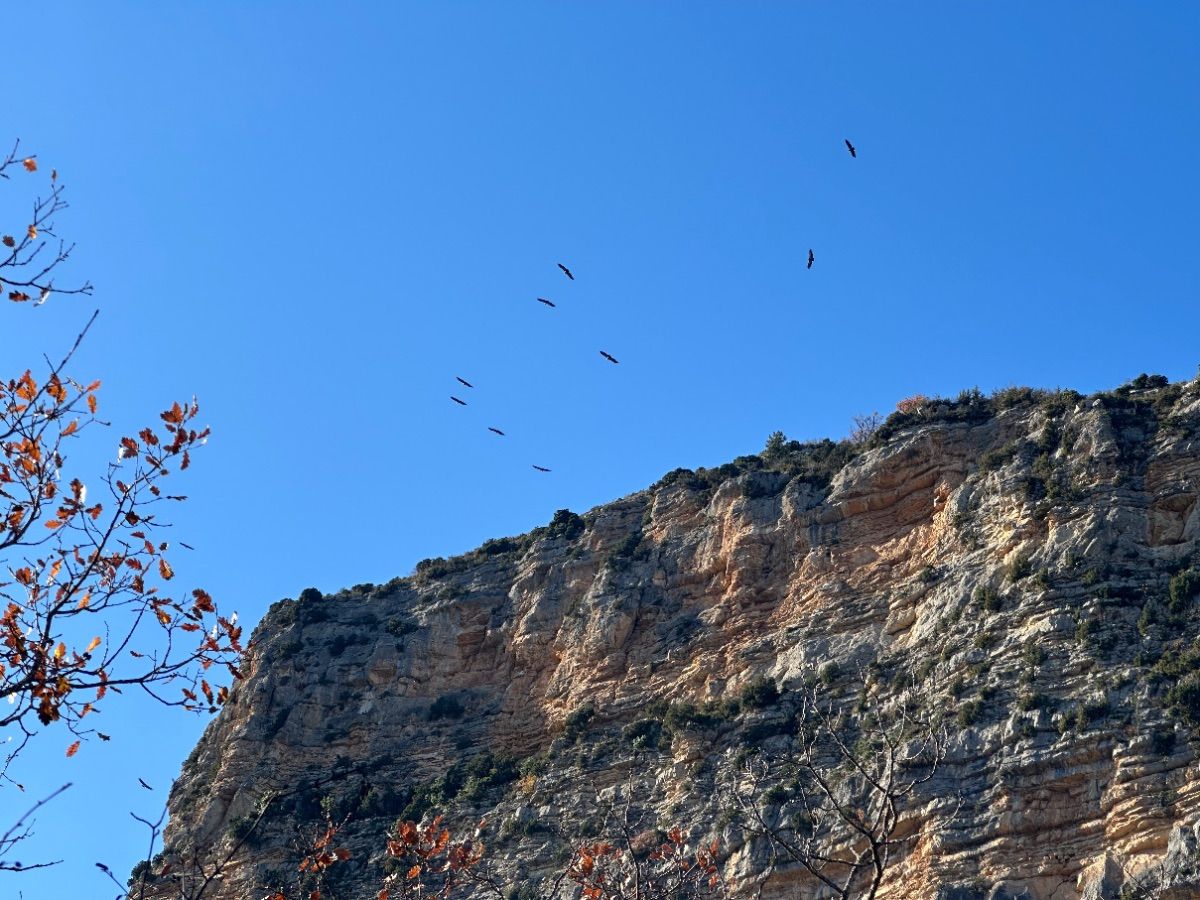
[[314, 216]]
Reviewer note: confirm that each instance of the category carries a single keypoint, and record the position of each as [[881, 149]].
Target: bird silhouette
[[609, 357], [544, 300], [811, 258], [143, 784], [459, 402], [566, 271], [463, 381], [850, 147], [541, 468], [497, 430]]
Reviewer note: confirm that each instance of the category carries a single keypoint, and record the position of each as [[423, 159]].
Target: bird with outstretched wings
[[566, 271], [811, 258], [850, 147], [544, 300], [463, 382], [459, 402], [496, 430], [541, 468], [608, 356]]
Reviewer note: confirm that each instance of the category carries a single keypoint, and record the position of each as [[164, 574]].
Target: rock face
[[1027, 558]]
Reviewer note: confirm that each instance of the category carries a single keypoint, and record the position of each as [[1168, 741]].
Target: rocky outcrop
[[1026, 558]]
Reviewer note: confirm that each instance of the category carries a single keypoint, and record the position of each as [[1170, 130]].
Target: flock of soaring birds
[[467, 384], [606, 355]]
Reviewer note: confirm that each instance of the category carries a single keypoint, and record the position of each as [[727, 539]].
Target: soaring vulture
[[566, 271], [463, 381], [811, 258], [459, 402], [850, 147], [544, 300], [497, 430], [609, 357], [541, 468]]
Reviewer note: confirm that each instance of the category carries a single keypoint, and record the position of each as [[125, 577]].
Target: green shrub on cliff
[[566, 524], [644, 734], [759, 694], [1183, 699], [1183, 588]]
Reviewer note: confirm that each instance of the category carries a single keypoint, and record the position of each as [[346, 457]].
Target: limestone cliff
[[1027, 557]]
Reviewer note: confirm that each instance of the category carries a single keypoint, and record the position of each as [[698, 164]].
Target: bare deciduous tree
[[864, 427], [833, 805], [189, 879]]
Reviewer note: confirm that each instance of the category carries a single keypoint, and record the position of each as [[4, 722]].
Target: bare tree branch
[[19, 831]]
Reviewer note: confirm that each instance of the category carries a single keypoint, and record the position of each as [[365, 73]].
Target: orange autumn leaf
[[91, 401], [174, 415], [165, 570], [73, 749], [70, 429], [32, 232], [30, 164], [8, 241], [93, 645], [55, 388]]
